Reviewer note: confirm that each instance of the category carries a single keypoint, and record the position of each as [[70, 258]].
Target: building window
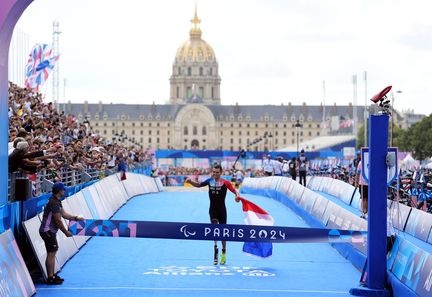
[[168, 132], [266, 126], [318, 125], [157, 140], [201, 92], [256, 125], [276, 141], [211, 71], [276, 125], [247, 133], [185, 147], [133, 132], [142, 132], [105, 131], [113, 124], [231, 141], [239, 141], [284, 141], [212, 92], [276, 133], [292, 141], [240, 133], [232, 125], [96, 124], [310, 133], [310, 125], [292, 133], [177, 92], [142, 124], [318, 134], [149, 140], [189, 71], [195, 130], [201, 71], [204, 130], [150, 132], [232, 133], [113, 132], [157, 132], [284, 134], [285, 126], [168, 140], [123, 124], [149, 124], [158, 124], [256, 133], [133, 124], [221, 132], [105, 124], [301, 133], [179, 71], [185, 130], [231, 148]]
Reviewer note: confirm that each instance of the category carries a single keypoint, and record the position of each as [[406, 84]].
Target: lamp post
[[298, 126], [392, 117]]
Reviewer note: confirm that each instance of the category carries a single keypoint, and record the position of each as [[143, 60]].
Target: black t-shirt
[[48, 224]]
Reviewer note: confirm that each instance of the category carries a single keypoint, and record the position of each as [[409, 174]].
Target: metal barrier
[[43, 180]]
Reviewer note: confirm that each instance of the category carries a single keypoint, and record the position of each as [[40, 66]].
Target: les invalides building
[[195, 118]]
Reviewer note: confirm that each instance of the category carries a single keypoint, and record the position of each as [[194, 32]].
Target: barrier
[[97, 201], [14, 276], [409, 264]]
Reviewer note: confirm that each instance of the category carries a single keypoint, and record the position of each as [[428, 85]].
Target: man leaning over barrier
[[51, 222]]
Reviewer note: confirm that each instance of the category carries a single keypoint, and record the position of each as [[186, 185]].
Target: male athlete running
[[217, 193]]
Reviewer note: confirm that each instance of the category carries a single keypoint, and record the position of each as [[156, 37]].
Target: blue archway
[[10, 12]]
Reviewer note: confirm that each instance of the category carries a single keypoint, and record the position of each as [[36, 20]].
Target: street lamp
[[298, 126], [392, 117]]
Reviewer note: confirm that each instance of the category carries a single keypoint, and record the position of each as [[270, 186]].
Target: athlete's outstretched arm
[[196, 183]]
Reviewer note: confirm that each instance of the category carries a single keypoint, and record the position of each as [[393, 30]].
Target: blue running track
[[159, 267]]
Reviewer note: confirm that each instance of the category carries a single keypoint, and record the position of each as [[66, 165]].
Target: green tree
[[419, 140]]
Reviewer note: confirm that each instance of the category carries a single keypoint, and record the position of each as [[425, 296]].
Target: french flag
[[255, 215]]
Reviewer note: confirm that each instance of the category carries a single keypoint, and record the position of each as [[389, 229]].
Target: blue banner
[[201, 231]]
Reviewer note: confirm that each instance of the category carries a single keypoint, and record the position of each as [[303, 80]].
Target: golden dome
[[195, 49]]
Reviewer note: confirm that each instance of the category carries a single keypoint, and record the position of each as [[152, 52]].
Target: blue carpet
[[160, 267]]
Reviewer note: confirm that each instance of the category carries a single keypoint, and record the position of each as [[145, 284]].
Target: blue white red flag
[[39, 65], [255, 215]]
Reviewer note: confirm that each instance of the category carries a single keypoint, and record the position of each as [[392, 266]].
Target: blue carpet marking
[[161, 267]]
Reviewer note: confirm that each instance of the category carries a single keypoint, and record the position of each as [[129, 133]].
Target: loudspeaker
[[23, 189]]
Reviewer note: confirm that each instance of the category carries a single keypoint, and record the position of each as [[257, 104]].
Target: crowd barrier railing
[[410, 259]]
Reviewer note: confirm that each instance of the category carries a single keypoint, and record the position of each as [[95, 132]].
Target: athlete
[[217, 193]]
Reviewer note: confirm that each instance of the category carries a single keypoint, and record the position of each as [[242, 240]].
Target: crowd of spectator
[[42, 139]]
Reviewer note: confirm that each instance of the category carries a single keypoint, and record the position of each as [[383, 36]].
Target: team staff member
[[217, 194], [361, 184], [303, 164], [51, 222]]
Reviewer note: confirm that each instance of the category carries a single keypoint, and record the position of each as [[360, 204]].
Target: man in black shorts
[[217, 193], [51, 222]]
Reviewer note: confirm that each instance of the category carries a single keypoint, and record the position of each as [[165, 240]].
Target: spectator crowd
[[43, 140]]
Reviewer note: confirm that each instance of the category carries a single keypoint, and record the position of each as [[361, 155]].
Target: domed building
[[196, 119], [195, 74]]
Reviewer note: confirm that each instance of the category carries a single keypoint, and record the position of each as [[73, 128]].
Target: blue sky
[[269, 51]]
